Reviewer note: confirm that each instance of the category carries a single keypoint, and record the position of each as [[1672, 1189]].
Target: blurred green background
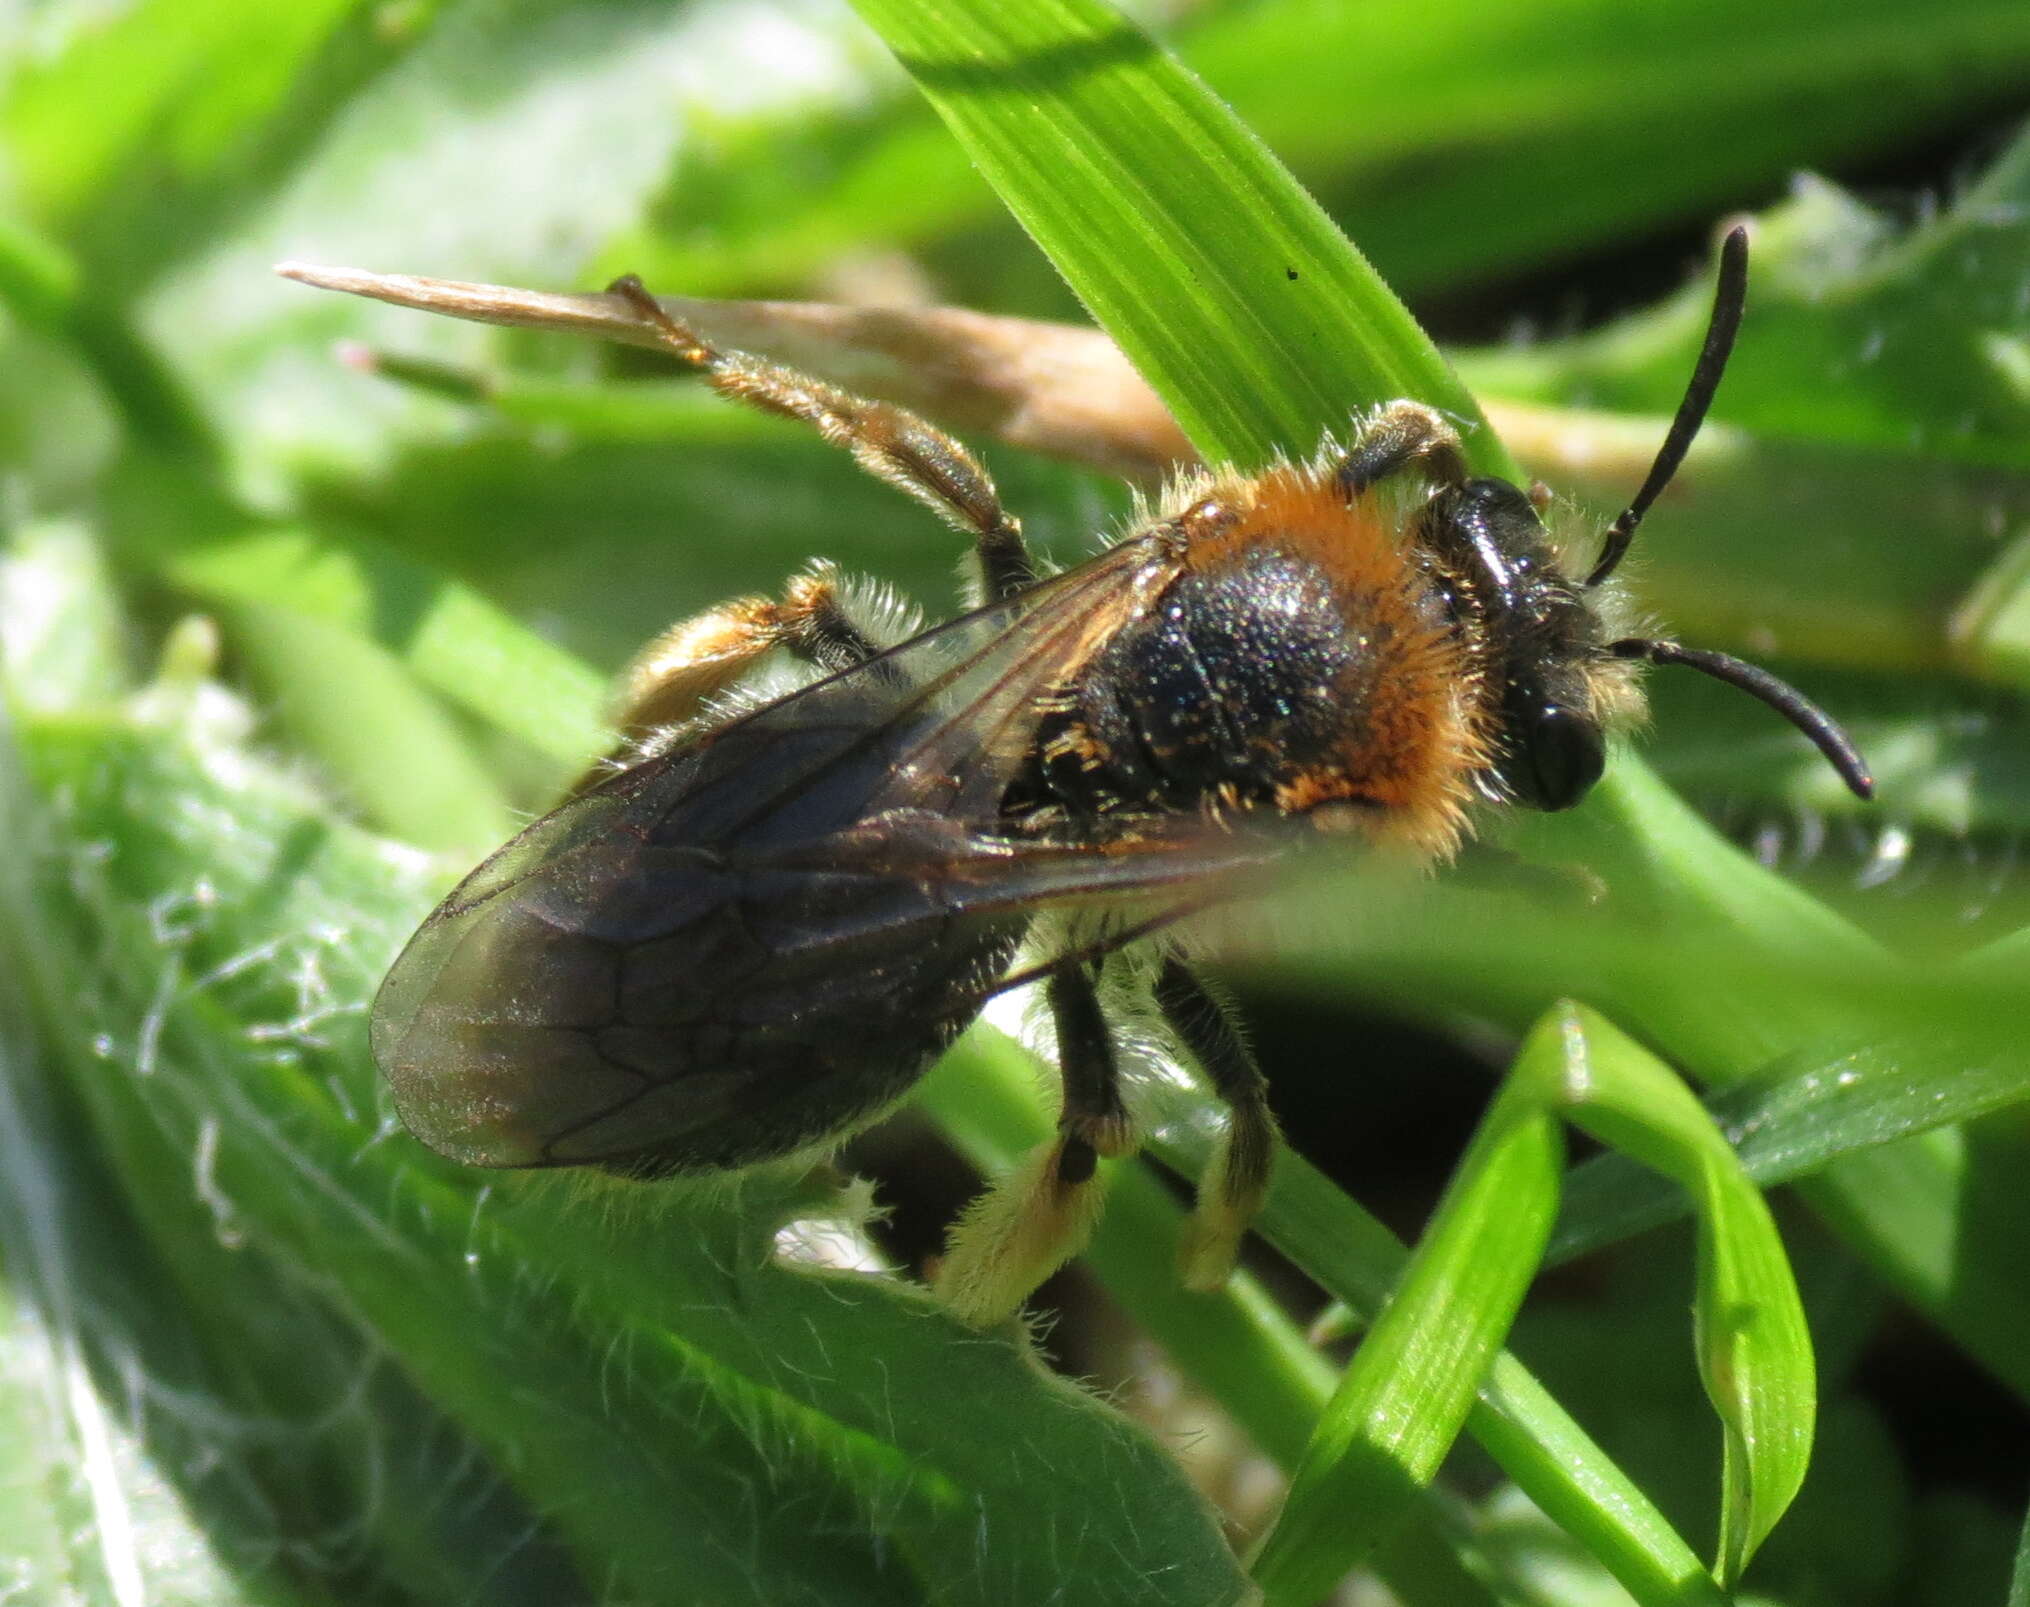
[[271, 623]]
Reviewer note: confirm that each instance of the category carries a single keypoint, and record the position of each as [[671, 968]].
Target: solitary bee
[[750, 934]]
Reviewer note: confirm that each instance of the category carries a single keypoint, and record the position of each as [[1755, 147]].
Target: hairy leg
[[1402, 434], [1234, 1185], [672, 681], [1037, 1217], [887, 441]]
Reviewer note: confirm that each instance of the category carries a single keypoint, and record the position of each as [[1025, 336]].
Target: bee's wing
[[829, 865], [938, 724]]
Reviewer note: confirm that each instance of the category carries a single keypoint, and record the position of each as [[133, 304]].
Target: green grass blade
[[452, 640], [1754, 1351], [1407, 1392], [1223, 281], [1793, 1124], [387, 747], [1359, 1262]]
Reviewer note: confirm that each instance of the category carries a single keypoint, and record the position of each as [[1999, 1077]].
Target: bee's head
[[1555, 680], [1536, 638]]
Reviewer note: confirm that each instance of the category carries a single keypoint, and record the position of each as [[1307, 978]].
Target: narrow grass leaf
[[1795, 1122], [1551, 1458], [388, 747], [1406, 1395], [1754, 1350], [1223, 281]]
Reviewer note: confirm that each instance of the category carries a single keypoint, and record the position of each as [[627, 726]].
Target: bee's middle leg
[[1035, 1219], [1237, 1180]]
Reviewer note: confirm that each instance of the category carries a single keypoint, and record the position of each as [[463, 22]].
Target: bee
[[749, 935]]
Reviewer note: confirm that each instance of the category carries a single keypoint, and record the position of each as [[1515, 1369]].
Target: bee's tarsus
[[680, 339], [1016, 1234]]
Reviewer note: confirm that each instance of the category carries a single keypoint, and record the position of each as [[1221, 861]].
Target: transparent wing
[[737, 947]]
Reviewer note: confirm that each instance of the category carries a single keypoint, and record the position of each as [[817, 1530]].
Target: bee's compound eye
[[1561, 756]]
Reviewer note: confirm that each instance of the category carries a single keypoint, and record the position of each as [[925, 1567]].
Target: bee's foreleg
[[887, 441], [1237, 1180], [1035, 1219], [1401, 434]]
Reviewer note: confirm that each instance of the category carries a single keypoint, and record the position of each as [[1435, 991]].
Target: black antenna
[[1787, 700], [1729, 296]]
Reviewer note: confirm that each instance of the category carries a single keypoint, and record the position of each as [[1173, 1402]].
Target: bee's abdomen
[[697, 1014], [1238, 680]]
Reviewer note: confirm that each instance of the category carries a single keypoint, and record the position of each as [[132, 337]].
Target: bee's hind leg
[[1037, 1217], [673, 680], [1236, 1182]]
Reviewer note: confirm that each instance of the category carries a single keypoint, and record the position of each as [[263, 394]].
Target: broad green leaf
[[648, 1348]]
